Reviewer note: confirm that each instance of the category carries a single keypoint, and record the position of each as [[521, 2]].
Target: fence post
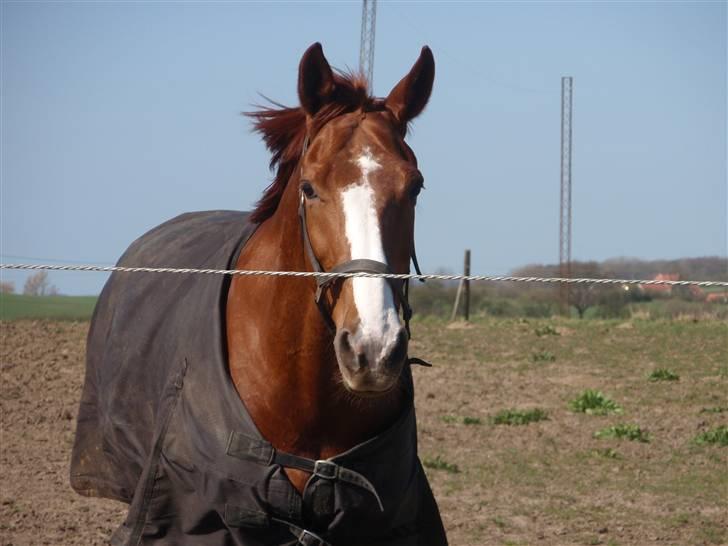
[[463, 290], [466, 284]]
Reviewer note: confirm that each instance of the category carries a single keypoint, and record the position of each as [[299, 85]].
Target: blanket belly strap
[[244, 447]]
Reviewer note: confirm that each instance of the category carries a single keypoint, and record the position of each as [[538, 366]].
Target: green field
[[16, 306]]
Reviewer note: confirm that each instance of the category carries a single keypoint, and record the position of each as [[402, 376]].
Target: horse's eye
[[307, 189]]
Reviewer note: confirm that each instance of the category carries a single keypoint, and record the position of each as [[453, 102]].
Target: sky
[[116, 116]]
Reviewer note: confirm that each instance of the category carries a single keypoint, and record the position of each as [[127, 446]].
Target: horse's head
[[358, 187]]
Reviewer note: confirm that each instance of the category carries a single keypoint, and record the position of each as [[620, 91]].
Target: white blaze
[[379, 321]]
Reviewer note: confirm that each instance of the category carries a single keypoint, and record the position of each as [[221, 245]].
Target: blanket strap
[[244, 447]]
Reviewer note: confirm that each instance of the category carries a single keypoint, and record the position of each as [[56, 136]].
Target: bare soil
[[546, 483]]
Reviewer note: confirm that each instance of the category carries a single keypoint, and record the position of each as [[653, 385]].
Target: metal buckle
[[307, 538], [326, 470]]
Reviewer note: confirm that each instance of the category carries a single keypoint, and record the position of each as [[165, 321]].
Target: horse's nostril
[[344, 340], [398, 352], [361, 359]]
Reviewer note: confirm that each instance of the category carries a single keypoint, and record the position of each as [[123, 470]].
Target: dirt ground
[[546, 483]]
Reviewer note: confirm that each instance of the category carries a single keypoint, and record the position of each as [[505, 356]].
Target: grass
[[717, 435], [438, 463], [547, 330], [715, 409], [606, 452], [624, 431], [663, 374], [519, 417], [593, 402], [18, 306], [543, 356]]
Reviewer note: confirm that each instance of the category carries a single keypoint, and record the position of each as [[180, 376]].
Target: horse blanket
[[162, 428]]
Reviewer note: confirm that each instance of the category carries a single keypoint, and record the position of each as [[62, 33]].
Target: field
[[15, 306], [550, 481]]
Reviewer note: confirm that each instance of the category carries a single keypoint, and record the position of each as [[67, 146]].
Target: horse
[[261, 410]]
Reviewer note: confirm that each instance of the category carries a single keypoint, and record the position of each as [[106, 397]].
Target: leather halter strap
[[361, 265]]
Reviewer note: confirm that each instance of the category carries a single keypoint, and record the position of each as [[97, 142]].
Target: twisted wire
[[402, 276]]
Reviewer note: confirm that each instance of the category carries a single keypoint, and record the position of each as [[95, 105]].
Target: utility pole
[[366, 48], [565, 209]]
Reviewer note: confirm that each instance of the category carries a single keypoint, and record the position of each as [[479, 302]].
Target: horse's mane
[[284, 131]]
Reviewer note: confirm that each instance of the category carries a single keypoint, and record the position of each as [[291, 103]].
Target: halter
[[362, 265]]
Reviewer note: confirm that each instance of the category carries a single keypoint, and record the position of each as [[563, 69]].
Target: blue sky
[[118, 116]]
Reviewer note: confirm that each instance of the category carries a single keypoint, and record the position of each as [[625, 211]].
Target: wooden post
[[457, 301], [466, 284]]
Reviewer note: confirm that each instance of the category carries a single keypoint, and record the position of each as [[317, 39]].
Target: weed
[[717, 435], [606, 452], [663, 374], [519, 417], [716, 409], [624, 431], [543, 356], [449, 419], [438, 463], [500, 522], [594, 402], [546, 331], [472, 421]]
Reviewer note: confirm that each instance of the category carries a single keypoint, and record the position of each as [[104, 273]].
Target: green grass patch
[[715, 409], [717, 435], [663, 374], [606, 452], [593, 402], [19, 306], [547, 330], [543, 356], [472, 421], [519, 417], [438, 463], [624, 431], [449, 419]]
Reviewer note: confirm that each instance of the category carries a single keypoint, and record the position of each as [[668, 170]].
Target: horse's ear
[[409, 97], [315, 80]]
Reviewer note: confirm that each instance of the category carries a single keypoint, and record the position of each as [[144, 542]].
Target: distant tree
[[38, 285], [584, 296], [7, 287]]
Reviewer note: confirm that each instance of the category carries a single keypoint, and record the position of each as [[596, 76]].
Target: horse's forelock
[[284, 131]]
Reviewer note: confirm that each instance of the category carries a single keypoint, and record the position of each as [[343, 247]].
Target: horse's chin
[[370, 386]]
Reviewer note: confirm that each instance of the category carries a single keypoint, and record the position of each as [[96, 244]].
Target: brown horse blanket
[[161, 426]]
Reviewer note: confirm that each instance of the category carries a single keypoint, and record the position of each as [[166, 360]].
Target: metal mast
[[565, 214], [366, 48]]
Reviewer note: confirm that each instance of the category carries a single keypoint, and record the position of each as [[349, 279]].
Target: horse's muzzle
[[367, 366]]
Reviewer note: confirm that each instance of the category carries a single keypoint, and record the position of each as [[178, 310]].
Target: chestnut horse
[[254, 411], [312, 390]]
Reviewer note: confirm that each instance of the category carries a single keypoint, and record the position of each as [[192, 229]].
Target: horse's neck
[[281, 355]]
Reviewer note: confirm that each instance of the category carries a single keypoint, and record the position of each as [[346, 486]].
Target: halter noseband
[[362, 265]]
